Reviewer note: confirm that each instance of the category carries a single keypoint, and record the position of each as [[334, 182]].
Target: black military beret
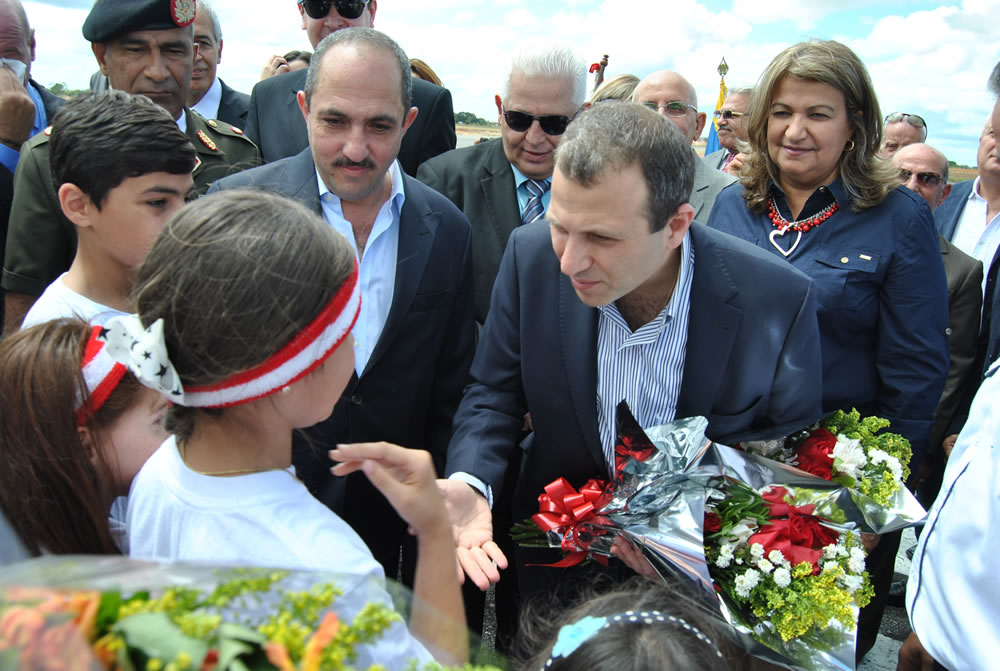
[[111, 18]]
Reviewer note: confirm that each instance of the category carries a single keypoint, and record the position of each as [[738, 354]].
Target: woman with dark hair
[[76, 429], [815, 193]]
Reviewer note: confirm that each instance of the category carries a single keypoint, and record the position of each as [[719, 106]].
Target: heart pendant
[[777, 234]]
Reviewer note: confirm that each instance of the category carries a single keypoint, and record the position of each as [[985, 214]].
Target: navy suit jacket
[[948, 213], [276, 126], [752, 364], [233, 106], [412, 384]]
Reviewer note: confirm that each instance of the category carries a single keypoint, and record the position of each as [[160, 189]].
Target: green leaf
[[242, 649], [107, 612], [153, 635]]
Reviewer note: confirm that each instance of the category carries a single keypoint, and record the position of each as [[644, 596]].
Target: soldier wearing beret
[[145, 47]]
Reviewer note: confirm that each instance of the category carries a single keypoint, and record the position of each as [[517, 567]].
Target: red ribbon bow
[[572, 515]]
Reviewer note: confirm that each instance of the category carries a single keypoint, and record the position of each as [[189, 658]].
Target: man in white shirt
[[210, 97]]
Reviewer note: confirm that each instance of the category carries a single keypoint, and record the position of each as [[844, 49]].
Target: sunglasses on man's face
[[925, 178], [728, 115], [552, 124], [318, 9]]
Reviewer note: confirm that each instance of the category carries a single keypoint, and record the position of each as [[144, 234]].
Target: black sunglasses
[[727, 114], [925, 178], [552, 124], [318, 9]]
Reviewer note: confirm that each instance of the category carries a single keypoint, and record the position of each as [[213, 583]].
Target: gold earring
[[849, 146]]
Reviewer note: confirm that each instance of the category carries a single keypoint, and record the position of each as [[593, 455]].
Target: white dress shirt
[[376, 268], [973, 234], [208, 106], [953, 594]]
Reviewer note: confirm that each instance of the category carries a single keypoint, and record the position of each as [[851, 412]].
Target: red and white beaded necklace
[[801, 226]]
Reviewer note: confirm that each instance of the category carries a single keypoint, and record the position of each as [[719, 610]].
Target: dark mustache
[[348, 163]]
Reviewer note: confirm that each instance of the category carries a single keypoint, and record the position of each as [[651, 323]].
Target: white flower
[[765, 566], [841, 551], [852, 583], [882, 457], [830, 551], [739, 560], [743, 531], [746, 582], [848, 456], [830, 566], [757, 551], [856, 564], [777, 558], [725, 555], [782, 577]]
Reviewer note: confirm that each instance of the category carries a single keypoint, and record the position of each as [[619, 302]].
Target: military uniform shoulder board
[[207, 141], [48, 130]]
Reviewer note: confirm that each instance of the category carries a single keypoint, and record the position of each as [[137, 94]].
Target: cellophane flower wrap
[[98, 613], [682, 498], [857, 453]]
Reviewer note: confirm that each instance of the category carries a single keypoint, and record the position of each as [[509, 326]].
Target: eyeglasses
[[318, 9], [912, 119], [674, 108], [728, 115], [925, 178], [552, 124]]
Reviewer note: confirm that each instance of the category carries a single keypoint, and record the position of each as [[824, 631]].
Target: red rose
[[815, 454], [712, 523], [800, 538]]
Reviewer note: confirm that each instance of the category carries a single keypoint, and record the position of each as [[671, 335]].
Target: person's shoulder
[[38, 142], [289, 81], [427, 90], [219, 131], [425, 195], [707, 175], [462, 158], [269, 175], [747, 262]]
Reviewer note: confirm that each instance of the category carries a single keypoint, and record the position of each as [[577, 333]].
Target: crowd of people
[[298, 328]]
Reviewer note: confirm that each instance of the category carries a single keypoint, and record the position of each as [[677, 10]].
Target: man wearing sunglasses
[[275, 122], [673, 96], [500, 185], [731, 120], [899, 130]]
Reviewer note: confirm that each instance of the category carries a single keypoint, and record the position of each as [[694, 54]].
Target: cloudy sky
[[926, 58]]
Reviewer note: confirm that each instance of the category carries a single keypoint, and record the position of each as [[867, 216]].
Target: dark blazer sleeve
[[233, 107]]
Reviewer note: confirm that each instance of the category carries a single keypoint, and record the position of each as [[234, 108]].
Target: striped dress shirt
[[645, 367]]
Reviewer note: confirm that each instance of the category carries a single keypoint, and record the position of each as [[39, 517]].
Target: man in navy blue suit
[[415, 334], [619, 296]]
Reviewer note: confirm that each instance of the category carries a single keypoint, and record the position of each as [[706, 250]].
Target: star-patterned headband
[[144, 351], [101, 374], [572, 636]]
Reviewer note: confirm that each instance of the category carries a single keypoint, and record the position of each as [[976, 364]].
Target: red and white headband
[[144, 352], [101, 374]]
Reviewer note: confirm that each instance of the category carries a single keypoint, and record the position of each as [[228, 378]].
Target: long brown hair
[[54, 491], [867, 178]]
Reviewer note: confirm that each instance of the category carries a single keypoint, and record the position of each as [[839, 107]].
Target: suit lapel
[[578, 335], [417, 225], [500, 194], [701, 184], [712, 327], [300, 181]]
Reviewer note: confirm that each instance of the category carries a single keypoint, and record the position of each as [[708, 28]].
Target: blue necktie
[[533, 210]]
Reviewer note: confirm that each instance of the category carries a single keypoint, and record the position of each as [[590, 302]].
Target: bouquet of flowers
[[777, 548], [115, 613], [854, 452], [784, 573]]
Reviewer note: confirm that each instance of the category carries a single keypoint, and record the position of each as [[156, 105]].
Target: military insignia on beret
[[207, 141], [212, 122], [48, 131], [182, 12], [238, 131]]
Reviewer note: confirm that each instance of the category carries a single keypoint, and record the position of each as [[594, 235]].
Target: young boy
[[121, 167]]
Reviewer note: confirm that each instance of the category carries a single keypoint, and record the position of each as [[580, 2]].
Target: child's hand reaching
[[405, 477]]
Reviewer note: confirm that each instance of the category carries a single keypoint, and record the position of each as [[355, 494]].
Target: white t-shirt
[[58, 301], [259, 519]]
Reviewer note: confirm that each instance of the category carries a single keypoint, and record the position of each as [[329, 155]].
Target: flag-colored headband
[[101, 374], [144, 351]]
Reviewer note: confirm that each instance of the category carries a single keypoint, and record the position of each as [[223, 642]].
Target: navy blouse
[[882, 299]]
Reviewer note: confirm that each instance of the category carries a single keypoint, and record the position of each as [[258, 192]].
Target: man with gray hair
[[501, 185], [414, 336], [731, 122], [210, 97], [673, 96], [636, 303]]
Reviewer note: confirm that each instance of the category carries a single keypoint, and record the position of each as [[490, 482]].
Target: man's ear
[[302, 13], [679, 224], [944, 194], [218, 54], [76, 205], [100, 52], [31, 43], [700, 119], [303, 106], [409, 118], [372, 6], [88, 443]]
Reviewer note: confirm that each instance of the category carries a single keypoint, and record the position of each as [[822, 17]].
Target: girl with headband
[[76, 427], [245, 308]]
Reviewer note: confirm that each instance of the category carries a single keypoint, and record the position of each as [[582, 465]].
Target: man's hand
[[948, 444], [869, 541], [276, 65], [913, 657], [472, 523], [734, 166], [17, 111], [633, 558]]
